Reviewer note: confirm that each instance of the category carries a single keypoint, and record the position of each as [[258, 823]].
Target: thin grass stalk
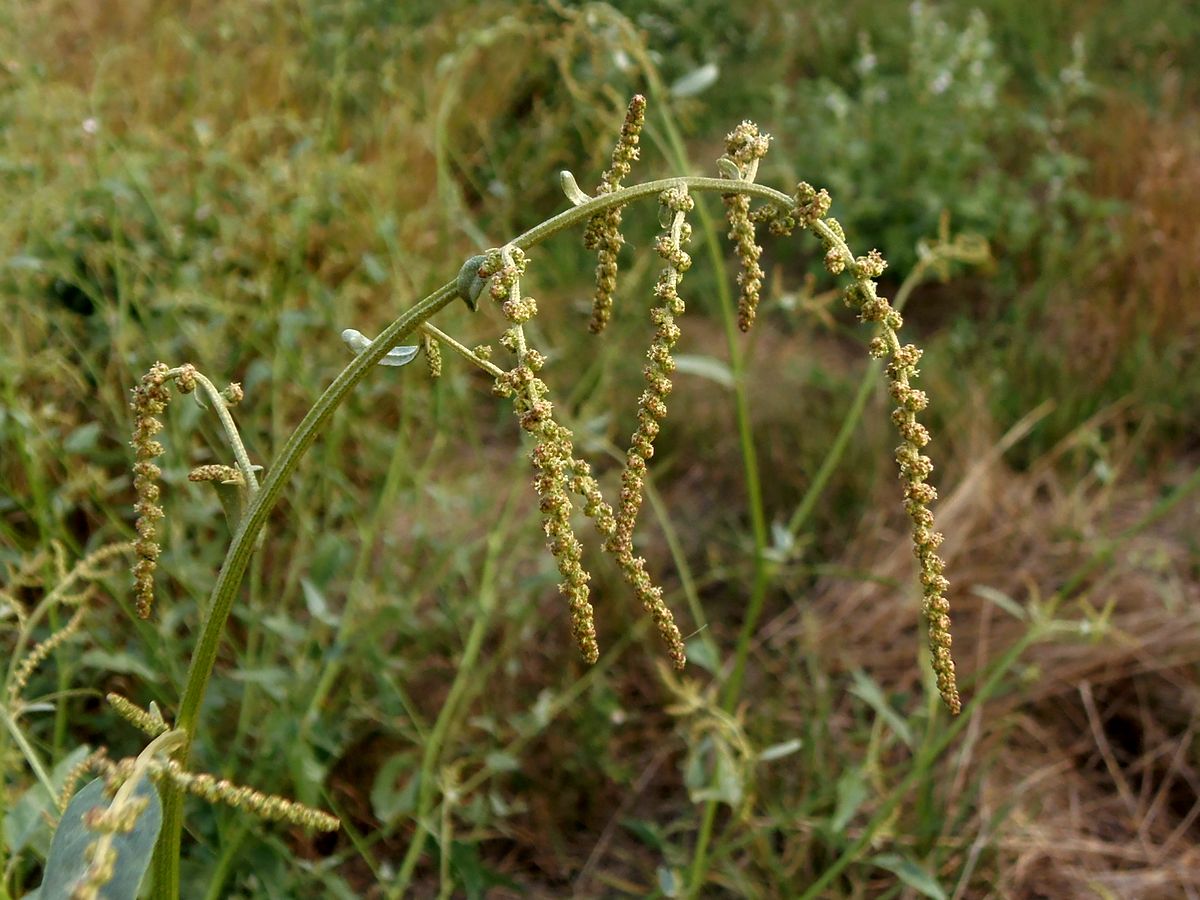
[[437, 738]]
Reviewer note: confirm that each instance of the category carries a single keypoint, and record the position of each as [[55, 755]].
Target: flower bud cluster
[[811, 205], [150, 399], [553, 451], [144, 721], [200, 784], [265, 806], [39, 654], [744, 147], [218, 473], [915, 467], [603, 232], [617, 529], [433, 356]]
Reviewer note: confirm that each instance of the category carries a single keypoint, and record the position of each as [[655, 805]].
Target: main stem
[[233, 569]]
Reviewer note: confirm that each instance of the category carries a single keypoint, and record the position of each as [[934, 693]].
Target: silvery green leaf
[[571, 188], [709, 367], [25, 823], [468, 284], [68, 861], [397, 356], [696, 81], [668, 881], [779, 751], [729, 169]]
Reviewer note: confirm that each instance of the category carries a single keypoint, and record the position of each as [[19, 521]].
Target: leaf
[[27, 263], [397, 356], [646, 832], [911, 873], [68, 861], [1002, 600], [124, 663], [668, 881], [851, 792], [82, 439], [473, 874], [696, 81], [389, 802], [25, 823], [308, 774], [315, 601], [703, 654], [705, 367], [273, 680], [711, 773], [779, 751], [867, 690], [499, 761], [729, 169], [374, 269]]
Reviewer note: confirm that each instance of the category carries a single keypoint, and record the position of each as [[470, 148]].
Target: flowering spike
[[603, 233], [618, 529], [553, 451], [744, 148], [150, 399], [811, 211]]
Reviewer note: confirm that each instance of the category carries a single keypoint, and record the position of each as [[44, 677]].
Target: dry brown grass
[[1086, 766], [1143, 284]]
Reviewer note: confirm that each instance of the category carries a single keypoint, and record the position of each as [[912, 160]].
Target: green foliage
[[282, 173], [934, 126], [69, 859]]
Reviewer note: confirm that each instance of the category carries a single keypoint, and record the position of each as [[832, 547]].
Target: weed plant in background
[[398, 654], [115, 835]]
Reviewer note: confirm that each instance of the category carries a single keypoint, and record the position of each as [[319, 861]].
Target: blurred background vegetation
[[232, 183]]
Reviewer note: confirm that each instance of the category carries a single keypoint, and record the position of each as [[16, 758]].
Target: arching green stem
[[229, 579]]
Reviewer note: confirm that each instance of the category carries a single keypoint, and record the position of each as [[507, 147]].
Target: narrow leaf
[[911, 873]]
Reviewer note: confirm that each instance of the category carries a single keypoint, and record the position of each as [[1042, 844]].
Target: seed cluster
[[433, 356], [603, 232], [559, 472], [745, 147], [200, 784], [652, 405], [553, 452], [39, 653], [265, 806], [150, 399], [652, 409], [218, 473], [811, 211], [144, 721]]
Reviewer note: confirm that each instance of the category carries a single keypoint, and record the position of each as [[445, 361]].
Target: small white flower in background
[[90, 125], [397, 356]]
